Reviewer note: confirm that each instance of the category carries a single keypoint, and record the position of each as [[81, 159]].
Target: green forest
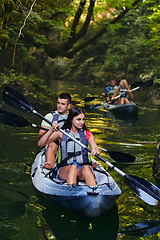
[[41, 39]]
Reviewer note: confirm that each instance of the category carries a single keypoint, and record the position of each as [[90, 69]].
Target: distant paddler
[[122, 91], [109, 91]]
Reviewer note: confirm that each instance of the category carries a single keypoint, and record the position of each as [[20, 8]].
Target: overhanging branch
[[81, 46]]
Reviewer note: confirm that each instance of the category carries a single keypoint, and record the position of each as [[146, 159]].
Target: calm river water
[[22, 213]]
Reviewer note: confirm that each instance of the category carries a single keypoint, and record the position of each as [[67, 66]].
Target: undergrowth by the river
[[33, 88]]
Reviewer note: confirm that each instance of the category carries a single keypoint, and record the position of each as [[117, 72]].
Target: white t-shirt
[[49, 116]]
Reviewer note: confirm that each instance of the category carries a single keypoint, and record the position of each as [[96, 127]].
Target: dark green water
[[20, 208]]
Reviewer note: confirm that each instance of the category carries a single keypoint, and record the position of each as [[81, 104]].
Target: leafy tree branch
[[73, 38]]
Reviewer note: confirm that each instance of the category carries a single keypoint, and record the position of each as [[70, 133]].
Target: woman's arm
[[94, 149], [130, 93], [114, 94], [93, 145]]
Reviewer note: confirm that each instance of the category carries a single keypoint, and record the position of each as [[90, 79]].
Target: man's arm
[[44, 124], [106, 91]]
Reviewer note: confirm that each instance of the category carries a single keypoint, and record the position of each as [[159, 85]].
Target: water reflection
[[126, 118], [66, 225], [129, 118], [142, 229], [18, 219]]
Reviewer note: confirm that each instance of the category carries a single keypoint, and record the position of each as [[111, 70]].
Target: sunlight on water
[[21, 209]]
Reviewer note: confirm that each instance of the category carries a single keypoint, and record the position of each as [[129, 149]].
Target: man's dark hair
[[112, 79], [65, 96]]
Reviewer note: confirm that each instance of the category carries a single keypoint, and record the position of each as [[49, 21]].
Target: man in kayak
[[122, 91], [59, 116], [110, 91]]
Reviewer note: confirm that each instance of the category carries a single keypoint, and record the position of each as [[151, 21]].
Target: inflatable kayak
[[127, 108], [85, 201]]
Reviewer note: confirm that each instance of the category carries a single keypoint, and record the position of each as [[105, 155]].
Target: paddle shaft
[[88, 99], [104, 150], [131, 91], [150, 82], [138, 184], [15, 120], [45, 119], [26, 122], [62, 131], [127, 177], [120, 95]]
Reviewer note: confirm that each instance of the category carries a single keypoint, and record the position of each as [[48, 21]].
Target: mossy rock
[[4, 40]]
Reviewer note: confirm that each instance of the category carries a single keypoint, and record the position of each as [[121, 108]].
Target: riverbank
[[34, 89]]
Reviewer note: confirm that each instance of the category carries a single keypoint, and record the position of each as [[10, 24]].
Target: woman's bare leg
[[118, 102], [122, 101], [126, 100], [69, 173], [85, 173]]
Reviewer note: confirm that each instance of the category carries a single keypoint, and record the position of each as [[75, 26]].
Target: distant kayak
[[127, 108]]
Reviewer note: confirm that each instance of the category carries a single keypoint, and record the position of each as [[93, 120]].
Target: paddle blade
[[88, 99], [142, 229], [121, 157], [142, 84], [96, 106], [10, 95], [12, 119], [144, 189], [136, 84], [147, 84]]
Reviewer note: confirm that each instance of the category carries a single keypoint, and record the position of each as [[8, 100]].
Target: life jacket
[[122, 92], [60, 119], [111, 91], [69, 150]]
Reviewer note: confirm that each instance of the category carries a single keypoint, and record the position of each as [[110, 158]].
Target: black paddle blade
[[88, 99], [96, 106], [136, 84], [12, 98], [142, 84], [121, 157], [144, 189], [147, 84], [12, 119], [142, 229]]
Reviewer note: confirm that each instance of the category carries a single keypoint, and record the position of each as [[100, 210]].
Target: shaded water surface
[[23, 215]]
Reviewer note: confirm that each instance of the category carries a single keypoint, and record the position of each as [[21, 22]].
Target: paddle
[[122, 157], [137, 85], [89, 99], [142, 85], [142, 229], [144, 189], [15, 120]]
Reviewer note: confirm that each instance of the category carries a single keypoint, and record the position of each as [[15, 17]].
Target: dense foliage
[[122, 36], [30, 86], [127, 49]]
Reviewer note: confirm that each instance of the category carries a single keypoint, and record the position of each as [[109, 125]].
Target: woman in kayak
[[122, 91], [73, 160]]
